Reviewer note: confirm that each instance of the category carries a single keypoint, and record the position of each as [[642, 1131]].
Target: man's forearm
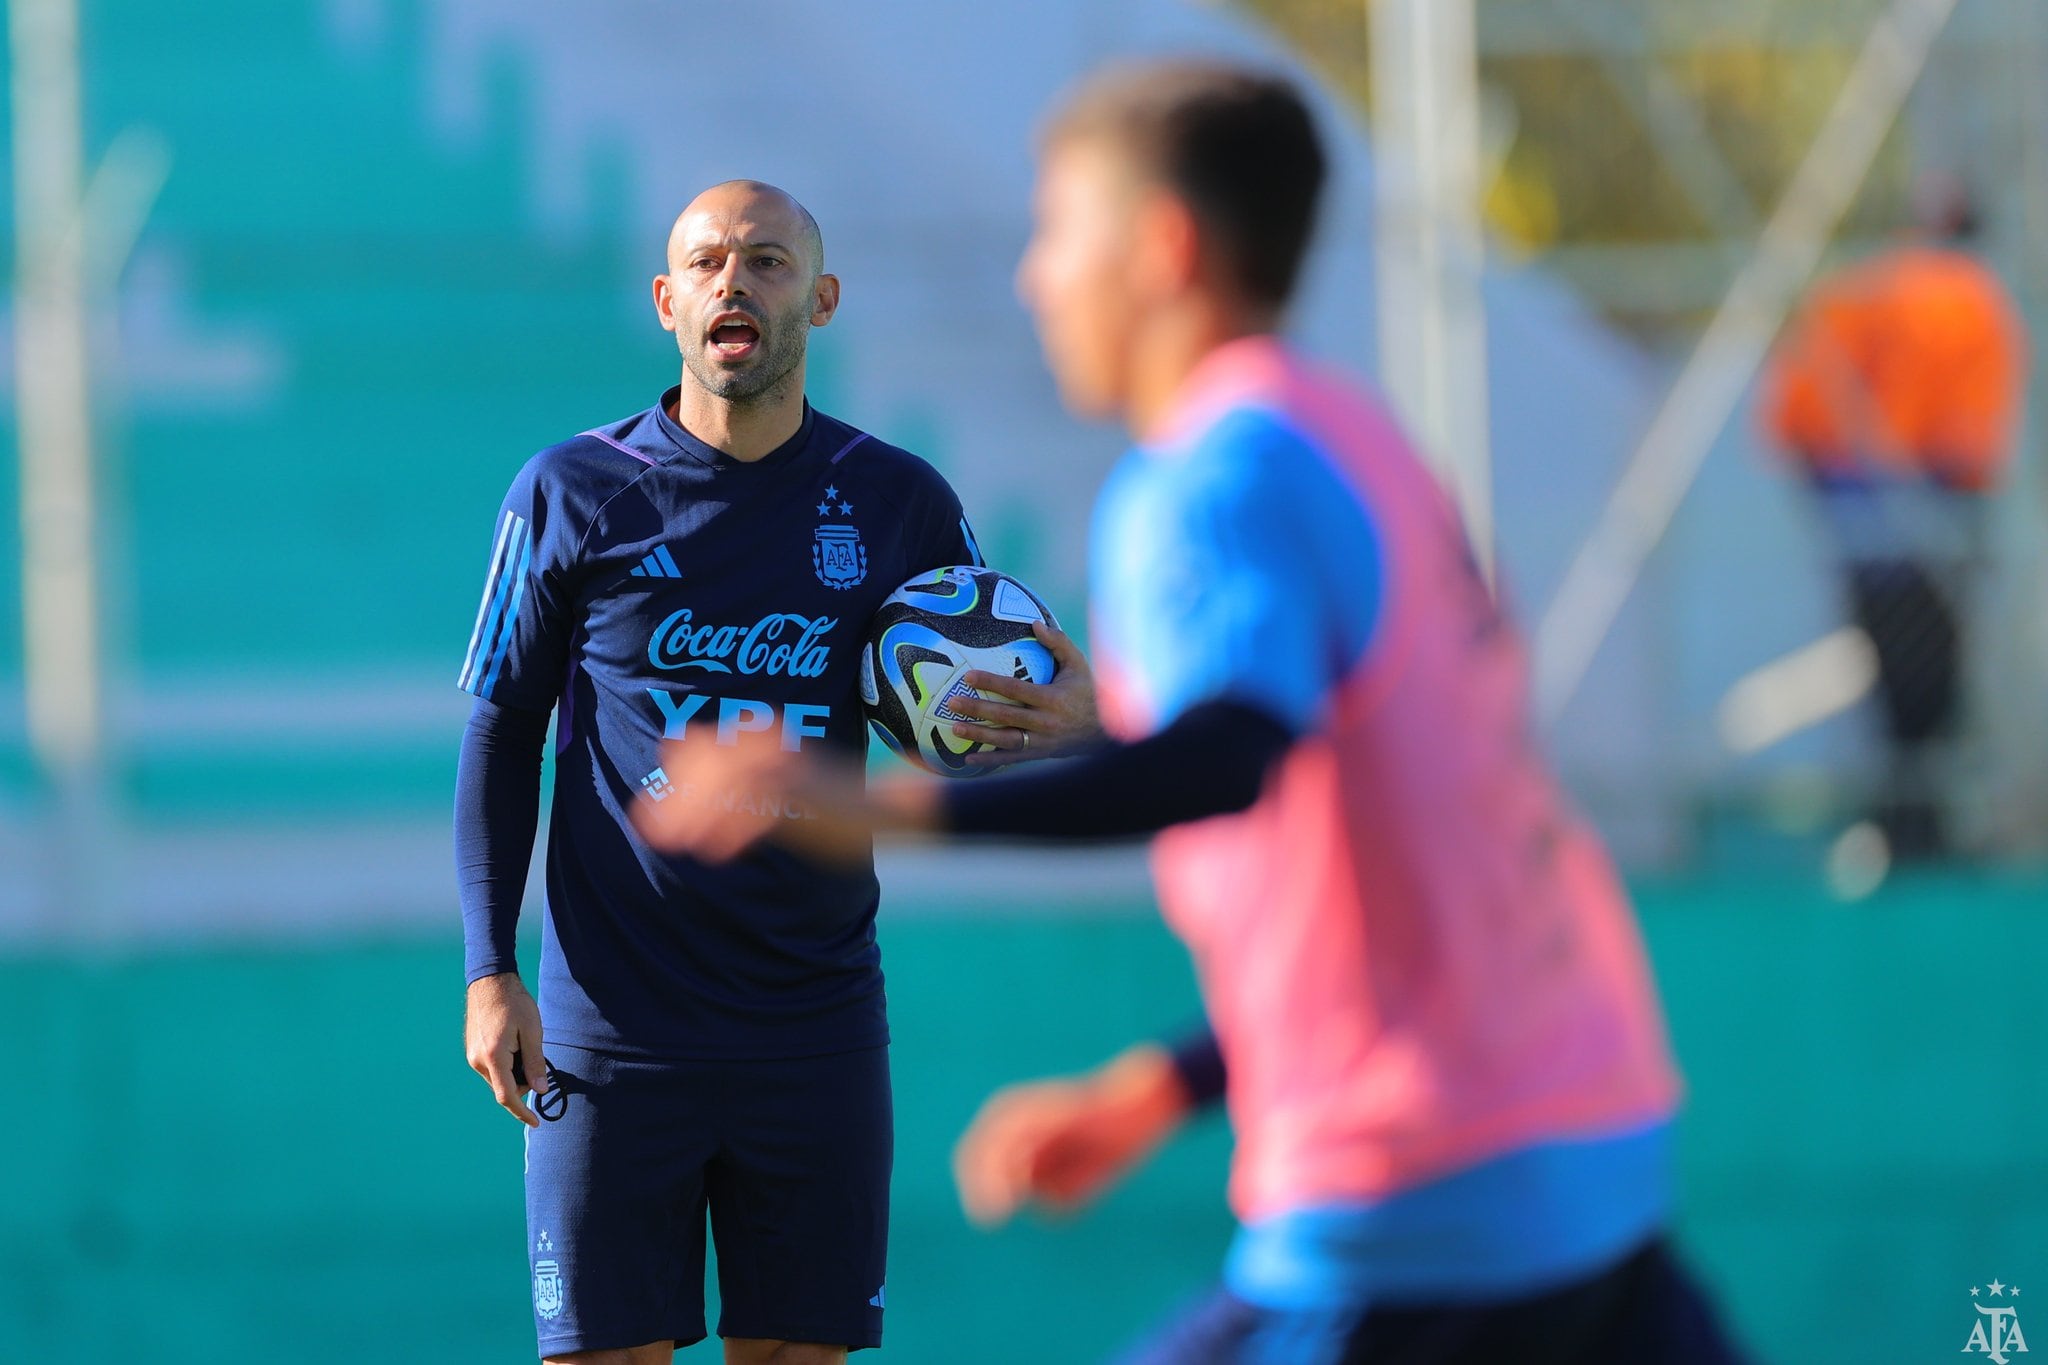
[[1211, 761], [497, 813]]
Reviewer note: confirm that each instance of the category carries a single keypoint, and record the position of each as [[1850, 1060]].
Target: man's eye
[[704, 263], [769, 262]]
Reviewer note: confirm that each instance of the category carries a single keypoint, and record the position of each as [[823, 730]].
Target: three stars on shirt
[[825, 507]]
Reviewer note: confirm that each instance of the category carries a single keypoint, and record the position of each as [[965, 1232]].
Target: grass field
[[255, 1156]]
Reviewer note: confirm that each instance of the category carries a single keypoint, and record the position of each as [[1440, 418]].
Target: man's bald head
[[775, 215], [745, 285]]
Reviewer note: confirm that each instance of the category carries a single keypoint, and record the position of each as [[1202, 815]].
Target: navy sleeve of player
[[967, 547], [497, 811], [518, 650], [950, 538], [1213, 760], [517, 658], [1198, 1062]]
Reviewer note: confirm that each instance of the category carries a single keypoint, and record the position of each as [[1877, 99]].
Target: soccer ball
[[925, 637]]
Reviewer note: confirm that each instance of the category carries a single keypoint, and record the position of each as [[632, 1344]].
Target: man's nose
[[731, 283]]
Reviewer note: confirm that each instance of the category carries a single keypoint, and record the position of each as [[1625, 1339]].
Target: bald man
[[715, 1042]]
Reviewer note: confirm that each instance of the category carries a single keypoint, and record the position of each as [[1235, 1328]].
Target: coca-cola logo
[[783, 643]]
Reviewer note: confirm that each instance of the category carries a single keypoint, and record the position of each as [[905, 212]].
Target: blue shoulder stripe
[[493, 597], [504, 645]]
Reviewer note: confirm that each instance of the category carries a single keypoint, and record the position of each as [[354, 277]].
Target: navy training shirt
[[646, 585]]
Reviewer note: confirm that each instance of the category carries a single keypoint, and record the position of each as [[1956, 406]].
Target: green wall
[[249, 1156]]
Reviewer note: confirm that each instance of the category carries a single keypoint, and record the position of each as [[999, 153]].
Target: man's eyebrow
[[720, 244]]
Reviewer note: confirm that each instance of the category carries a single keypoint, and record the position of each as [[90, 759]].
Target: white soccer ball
[[925, 637]]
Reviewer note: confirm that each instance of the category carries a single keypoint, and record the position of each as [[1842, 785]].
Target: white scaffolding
[[1429, 248], [73, 235], [1970, 72], [53, 405], [1710, 385]]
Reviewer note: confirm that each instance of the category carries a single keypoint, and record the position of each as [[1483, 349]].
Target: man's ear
[[824, 299], [1167, 241], [664, 303]]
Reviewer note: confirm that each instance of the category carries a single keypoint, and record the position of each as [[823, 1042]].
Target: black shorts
[[789, 1159], [1643, 1310]]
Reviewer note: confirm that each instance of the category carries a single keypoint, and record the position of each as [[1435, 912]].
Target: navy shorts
[[1642, 1310], [789, 1159]]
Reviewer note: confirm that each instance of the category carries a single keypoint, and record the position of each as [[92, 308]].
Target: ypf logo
[[1996, 1332]]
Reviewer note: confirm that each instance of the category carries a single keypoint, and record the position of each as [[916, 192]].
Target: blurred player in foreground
[[1432, 1017], [716, 1039]]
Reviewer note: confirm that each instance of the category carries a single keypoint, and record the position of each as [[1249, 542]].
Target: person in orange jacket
[[1895, 391]]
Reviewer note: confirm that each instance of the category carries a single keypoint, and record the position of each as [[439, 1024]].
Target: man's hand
[[502, 1023], [724, 798], [1062, 1142], [1024, 719]]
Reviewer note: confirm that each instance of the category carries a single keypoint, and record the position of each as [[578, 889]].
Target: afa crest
[[547, 1281], [838, 557], [1996, 1332]]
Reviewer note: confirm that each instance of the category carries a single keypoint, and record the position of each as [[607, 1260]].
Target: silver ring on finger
[[1027, 742]]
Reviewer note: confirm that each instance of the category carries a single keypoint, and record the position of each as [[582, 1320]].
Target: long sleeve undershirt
[[1212, 760], [1198, 1061], [497, 813]]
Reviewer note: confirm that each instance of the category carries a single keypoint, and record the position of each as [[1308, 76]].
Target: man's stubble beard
[[762, 380]]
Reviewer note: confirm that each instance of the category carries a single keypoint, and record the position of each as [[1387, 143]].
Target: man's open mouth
[[734, 335]]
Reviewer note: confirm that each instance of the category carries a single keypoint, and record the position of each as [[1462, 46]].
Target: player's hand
[[724, 798], [503, 1023], [1063, 1142], [1024, 719]]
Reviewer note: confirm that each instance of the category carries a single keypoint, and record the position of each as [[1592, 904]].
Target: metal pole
[[1721, 366], [1432, 316], [61, 598], [2023, 800], [60, 585]]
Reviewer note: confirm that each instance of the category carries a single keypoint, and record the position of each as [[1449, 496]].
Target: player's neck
[[1173, 347], [747, 429]]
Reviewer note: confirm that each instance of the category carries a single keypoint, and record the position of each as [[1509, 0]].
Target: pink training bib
[[1414, 954]]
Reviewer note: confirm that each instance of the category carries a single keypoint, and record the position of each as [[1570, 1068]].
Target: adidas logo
[[657, 565], [876, 1301]]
